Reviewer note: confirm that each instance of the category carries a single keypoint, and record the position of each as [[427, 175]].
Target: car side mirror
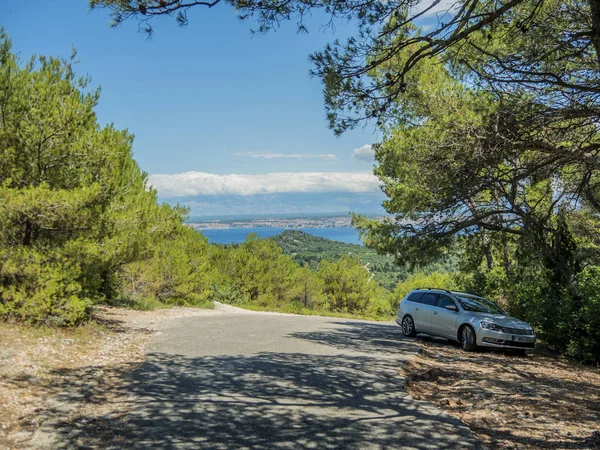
[[451, 307]]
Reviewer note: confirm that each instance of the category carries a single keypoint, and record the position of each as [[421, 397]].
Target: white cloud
[[270, 155], [364, 153], [201, 183]]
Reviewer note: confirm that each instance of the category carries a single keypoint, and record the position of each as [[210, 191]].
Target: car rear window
[[414, 297]]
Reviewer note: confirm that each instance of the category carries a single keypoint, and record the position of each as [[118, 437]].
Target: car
[[470, 320]]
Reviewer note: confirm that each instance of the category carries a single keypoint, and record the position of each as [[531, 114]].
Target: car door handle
[[435, 312], [416, 309]]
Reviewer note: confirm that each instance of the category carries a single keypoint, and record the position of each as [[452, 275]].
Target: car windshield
[[478, 304]]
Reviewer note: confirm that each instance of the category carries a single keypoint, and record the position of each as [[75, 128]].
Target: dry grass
[[533, 401]]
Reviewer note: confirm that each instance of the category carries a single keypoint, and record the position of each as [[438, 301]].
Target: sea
[[348, 235]]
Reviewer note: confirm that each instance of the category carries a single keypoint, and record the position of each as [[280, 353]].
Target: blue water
[[348, 235]]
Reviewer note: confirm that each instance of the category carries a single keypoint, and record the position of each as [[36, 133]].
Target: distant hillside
[[305, 248], [308, 249]]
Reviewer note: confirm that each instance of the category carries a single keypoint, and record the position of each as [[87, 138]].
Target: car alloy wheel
[[408, 327]]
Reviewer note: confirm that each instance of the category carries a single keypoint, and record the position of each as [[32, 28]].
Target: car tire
[[467, 339], [408, 327]]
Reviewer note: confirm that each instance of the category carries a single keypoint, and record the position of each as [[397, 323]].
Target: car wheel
[[408, 327], [467, 339]]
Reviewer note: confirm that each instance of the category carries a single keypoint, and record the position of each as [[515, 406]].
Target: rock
[[20, 436]]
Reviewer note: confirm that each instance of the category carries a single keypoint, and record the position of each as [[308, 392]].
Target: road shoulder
[[509, 401]]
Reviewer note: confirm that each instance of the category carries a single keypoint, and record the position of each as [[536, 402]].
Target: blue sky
[[210, 97], [216, 111]]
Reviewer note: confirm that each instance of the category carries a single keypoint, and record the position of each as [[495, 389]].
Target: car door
[[423, 311], [443, 321]]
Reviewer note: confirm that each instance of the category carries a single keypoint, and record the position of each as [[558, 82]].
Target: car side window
[[444, 300], [429, 299], [415, 297]]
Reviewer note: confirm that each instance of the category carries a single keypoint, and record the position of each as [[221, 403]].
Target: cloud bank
[[270, 155], [364, 153], [319, 203], [200, 183]]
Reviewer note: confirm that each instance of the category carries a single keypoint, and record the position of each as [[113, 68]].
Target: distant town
[[273, 222]]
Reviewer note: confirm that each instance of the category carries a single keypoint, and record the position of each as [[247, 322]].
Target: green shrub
[[381, 306], [585, 346], [177, 271], [346, 285], [41, 288]]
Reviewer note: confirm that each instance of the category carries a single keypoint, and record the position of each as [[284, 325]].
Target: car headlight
[[490, 326]]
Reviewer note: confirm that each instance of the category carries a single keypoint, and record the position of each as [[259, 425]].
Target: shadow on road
[[267, 400], [264, 401], [362, 337]]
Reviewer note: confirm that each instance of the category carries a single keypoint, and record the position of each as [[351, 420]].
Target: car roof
[[446, 291], [431, 290], [468, 294]]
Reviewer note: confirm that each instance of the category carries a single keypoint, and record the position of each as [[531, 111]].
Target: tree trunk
[[489, 259], [28, 232], [595, 10], [506, 258], [106, 288]]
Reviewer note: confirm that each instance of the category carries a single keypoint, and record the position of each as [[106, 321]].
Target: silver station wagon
[[468, 319]]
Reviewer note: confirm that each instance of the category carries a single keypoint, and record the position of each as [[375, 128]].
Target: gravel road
[[233, 380]]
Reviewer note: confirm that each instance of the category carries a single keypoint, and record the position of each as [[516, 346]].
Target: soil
[[508, 401]]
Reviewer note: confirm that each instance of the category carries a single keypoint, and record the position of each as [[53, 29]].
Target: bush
[[585, 345], [348, 285], [176, 273], [41, 288], [381, 306]]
